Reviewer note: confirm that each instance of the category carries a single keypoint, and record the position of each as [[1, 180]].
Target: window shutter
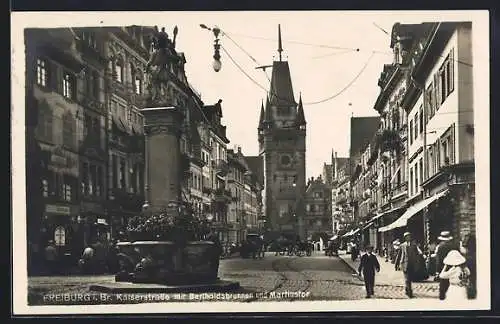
[[451, 67], [437, 91]]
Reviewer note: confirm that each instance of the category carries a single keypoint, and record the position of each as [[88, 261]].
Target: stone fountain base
[[160, 267]]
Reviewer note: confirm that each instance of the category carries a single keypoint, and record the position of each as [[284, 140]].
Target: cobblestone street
[[272, 278]]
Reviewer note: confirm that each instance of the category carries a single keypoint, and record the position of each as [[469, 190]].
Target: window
[[93, 84], [45, 188], [421, 169], [42, 72], [122, 171], [119, 71], [85, 178], [411, 132], [68, 86], [415, 123], [44, 128], [411, 182], [416, 179], [445, 150], [68, 130], [138, 85], [66, 192], [421, 120], [283, 210], [430, 97]]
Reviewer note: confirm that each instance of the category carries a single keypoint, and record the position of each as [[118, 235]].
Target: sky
[[326, 51]]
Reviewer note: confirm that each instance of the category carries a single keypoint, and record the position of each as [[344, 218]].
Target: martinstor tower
[[282, 146]]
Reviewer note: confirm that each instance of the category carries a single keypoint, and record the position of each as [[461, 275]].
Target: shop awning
[[348, 234], [411, 211], [385, 213], [368, 225]]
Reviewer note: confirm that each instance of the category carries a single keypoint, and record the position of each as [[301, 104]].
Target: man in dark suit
[[446, 244], [368, 265], [406, 260]]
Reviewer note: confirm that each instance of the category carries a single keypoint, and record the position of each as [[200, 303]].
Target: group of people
[[455, 266]]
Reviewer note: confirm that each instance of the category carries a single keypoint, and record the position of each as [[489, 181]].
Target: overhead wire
[[339, 47], [293, 103]]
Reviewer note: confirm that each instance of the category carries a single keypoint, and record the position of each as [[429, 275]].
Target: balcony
[[221, 167], [222, 195], [400, 190]]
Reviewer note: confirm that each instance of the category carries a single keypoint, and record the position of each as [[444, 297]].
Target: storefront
[[455, 212], [94, 223], [59, 226]]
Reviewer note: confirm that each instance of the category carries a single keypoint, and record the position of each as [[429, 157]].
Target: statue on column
[[163, 56]]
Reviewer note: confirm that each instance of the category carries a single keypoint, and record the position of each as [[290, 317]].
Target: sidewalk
[[387, 275]]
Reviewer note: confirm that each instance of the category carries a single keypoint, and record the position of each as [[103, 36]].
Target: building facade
[[282, 145], [317, 219], [127, 50], [421, 160]]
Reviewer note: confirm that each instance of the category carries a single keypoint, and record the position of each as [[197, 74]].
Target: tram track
[[282, 266]]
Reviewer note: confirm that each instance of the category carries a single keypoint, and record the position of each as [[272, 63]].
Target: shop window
[[42, 72]]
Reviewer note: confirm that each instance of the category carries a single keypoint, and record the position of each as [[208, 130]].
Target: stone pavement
[[388, 279]]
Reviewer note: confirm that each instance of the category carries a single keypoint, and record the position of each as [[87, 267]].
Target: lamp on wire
[[217, 64]]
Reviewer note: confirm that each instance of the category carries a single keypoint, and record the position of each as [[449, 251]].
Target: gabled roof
[[256, 166], [281, 91]]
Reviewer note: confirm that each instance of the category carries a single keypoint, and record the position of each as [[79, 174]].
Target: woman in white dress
[[455, 270]]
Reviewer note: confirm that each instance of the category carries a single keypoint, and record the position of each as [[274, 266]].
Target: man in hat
[[446, 244], [367, 268], [406, 261]]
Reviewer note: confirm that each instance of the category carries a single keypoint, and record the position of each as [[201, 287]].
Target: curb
[[349, 265]]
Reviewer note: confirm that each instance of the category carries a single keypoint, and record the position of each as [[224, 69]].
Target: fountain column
[[162, 126]]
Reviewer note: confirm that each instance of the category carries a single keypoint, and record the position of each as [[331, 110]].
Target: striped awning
[[411, 211]]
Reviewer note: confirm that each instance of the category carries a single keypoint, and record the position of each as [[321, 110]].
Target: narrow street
[[278, 278]]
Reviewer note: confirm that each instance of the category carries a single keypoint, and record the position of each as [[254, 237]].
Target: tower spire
[[280, 47]]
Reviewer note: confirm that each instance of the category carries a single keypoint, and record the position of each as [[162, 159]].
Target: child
[[368, 265]]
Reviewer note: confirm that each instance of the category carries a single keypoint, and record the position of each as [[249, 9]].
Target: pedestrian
[[395, 250], [455, 270], [406, 261], [367, 268], [51, 257], [445, 245], [86, 262], [469, 247]]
